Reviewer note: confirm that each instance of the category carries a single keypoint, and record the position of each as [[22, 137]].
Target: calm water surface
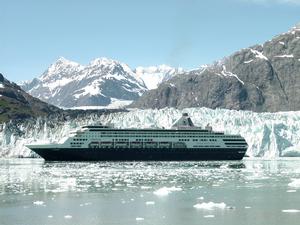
[[33, 192]]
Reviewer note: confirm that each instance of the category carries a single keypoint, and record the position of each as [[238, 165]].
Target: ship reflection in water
[[215, 192]]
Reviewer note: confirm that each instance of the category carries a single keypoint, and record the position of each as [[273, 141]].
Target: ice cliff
[[269, 135]]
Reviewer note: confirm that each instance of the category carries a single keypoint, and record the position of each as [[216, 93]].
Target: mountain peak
[[63, 61], [103, 61]]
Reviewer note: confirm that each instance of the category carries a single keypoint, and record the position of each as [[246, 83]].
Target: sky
[[184, 33]]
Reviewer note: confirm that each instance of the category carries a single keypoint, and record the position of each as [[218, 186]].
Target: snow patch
[[284, 56], [210, 205], [57, 83], [1, 86], [249, 61], [230, 74], [258, 54], [281, 42], [155, 75]]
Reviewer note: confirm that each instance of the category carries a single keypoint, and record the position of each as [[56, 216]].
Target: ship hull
[[132, 154]]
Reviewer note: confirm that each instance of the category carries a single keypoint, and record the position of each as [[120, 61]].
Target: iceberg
[[269, 135]]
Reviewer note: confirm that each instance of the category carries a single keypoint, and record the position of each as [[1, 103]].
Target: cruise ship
[[183, 141]]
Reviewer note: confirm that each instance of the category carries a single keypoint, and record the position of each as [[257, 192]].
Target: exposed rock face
[[17, 104], [260, 78]]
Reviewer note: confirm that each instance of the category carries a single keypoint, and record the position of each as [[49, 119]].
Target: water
[[155, 193]]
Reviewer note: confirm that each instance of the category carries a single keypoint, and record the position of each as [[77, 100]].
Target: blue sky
[[186, 33]]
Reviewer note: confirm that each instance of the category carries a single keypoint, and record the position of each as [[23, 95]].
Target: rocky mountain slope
[[103, 82], [259, 78], [17, 104]]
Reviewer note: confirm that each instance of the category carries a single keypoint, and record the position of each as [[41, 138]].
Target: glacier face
[[269, 135]]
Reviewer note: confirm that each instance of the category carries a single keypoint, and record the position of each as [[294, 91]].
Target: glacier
[[269, 135]]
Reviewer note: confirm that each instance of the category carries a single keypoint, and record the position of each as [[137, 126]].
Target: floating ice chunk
[[50, 216], [291, 191], [201, 198], [150, 203], [247, 207], [166, 190], [209, 216], [295, 183], [38, 203], [85, 204], [210, 205], [290, 210], [68, 217], [145, 187], [139, 219]]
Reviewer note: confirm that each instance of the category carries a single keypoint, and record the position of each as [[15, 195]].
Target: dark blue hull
[[145, 154]]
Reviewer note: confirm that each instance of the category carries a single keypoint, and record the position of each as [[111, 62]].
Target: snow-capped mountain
[[258, 78], [155, 75], [269, 135], [100, 83]]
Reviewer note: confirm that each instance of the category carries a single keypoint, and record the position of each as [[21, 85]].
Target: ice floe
[[166, 190], [38, 203], [68, 217], [150, 203], [210, 205], [290, 210], [209, 216], [139, 219], [295, 183]]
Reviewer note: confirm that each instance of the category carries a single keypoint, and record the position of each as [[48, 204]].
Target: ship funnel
[[184, 122]]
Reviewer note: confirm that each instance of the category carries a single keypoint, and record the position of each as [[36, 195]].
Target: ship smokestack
[[184, 122]]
